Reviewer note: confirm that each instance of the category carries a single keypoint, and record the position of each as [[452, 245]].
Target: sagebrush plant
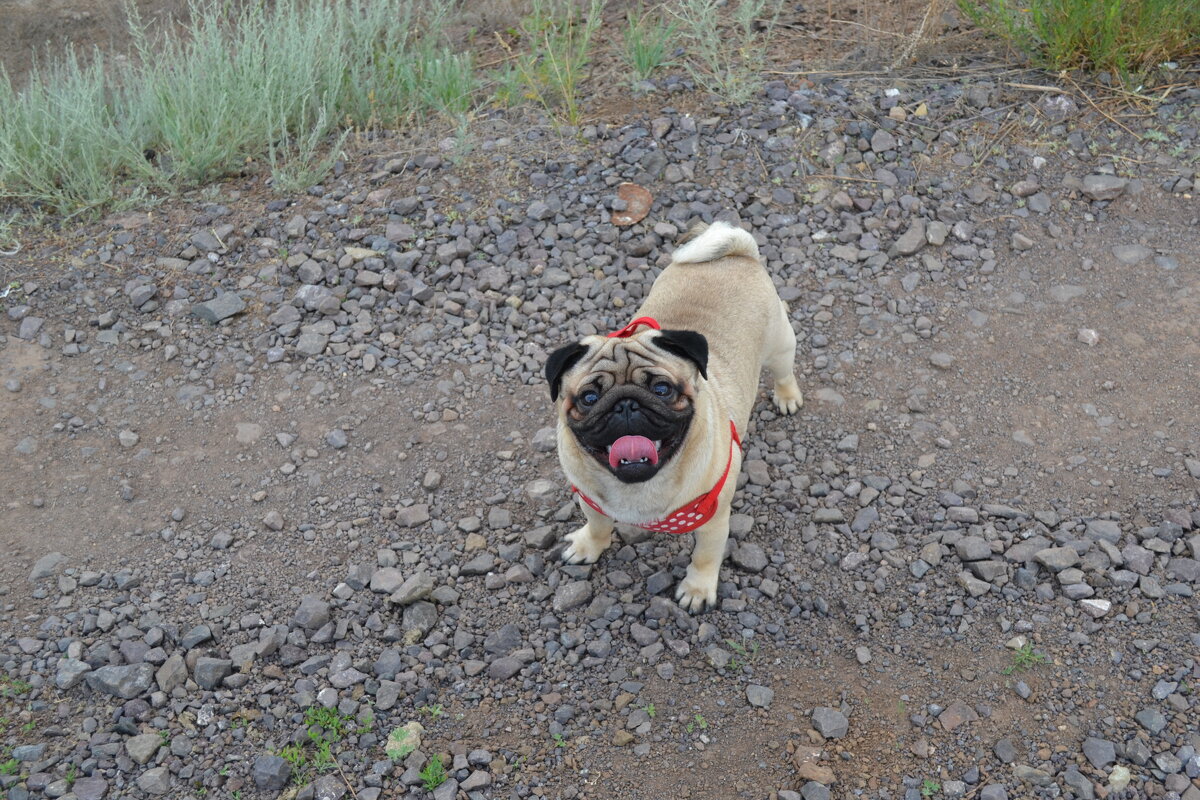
[[727, 61], [558, 34], [648, 42], [1126, 37], [271, 81]]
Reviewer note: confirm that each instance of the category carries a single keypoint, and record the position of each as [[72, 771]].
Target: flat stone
[[47, 566], [142, 748], [1151, 719], [750, 557], [1032, 775], [912, 240], [1095, 607], [1104, 187], [127, 681], [1131, 254], [1057, 558], [155, 781], [1099, 752], [504, 668], [313, 613], [415, 587], [956, 714], [972, 548], [571, 595], [1104, 529], [829, 722], [223, 306], [71, 672], [759, 696], [311, 344]]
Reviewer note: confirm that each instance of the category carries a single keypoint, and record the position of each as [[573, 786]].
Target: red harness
[[699, 511]]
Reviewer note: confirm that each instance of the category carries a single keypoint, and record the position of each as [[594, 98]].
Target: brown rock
[[637, 204], [957, 714]]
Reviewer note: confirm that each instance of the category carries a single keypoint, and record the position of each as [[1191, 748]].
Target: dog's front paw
[[585, 547], [788, 399], [696, 591]]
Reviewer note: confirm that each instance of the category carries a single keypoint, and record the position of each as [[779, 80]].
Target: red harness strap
[[632, 327], [691, 516]]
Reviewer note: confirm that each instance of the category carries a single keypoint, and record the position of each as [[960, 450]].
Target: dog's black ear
[[686, 344], [559, 362]]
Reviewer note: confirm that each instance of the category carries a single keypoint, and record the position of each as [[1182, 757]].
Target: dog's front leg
[[699, 586], [587, 543]]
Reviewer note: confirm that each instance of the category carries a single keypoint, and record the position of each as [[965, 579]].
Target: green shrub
[[1126, 37], [728, 62], [276, 80], [647, 43]]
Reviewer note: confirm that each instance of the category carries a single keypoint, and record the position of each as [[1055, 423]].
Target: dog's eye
[[589, 398], [663, 389]]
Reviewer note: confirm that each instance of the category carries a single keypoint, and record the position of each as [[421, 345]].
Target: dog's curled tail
[[703, 243]]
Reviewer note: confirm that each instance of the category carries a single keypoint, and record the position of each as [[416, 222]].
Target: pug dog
[[650, 416]]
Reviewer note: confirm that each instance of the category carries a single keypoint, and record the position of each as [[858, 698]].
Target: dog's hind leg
[[779, 357], [590, 541]]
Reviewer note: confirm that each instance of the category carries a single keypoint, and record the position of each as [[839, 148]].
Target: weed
[[72, 774], [744, 655], [1127, 37], [28, 727], [560, 39], [697, 722], [930, 787], [559, 741], [646, 43], [650, 710], [1155, 135], [433, 711], [10, 767], [13, 687], [1025, 658], [727, 63], [433, 774]]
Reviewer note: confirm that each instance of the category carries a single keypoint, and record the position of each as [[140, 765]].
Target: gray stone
[[419, 618], [1151, 719], [1104, 187], [1032, 775], [1104, 529], [93, 788], [415, 587], [1057, 558], [884, 540], [127, 681], [759, 696], [386, 580], [223, 306], [155, 781], [812, 791], [912, 240], [271, 773], [1184, 569], [211, 671], [972, 548], [994, 791], [172, 673], [504, 668], [571, 595], [829, 722], [313, 613], [142, 748], [750, 557], [1099, 752], [47, 566], [70, 672], [29, 328], [29, 752], [1131, 254], [311, 344], [337, 439], [1005, 751], [882, 141]]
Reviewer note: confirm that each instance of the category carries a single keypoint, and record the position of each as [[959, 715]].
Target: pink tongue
[[633, 449]]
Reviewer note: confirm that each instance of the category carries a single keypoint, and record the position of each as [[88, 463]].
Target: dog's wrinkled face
[[629, 401]]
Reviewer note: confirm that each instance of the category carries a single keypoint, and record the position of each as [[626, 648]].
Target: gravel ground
[[280, 475]]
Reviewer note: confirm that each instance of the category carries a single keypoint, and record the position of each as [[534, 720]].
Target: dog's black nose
[[626, 407]]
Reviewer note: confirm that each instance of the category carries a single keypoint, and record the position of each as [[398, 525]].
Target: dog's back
[[716, 283]]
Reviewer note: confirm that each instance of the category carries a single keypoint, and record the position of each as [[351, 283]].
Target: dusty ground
[[960, 371]]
